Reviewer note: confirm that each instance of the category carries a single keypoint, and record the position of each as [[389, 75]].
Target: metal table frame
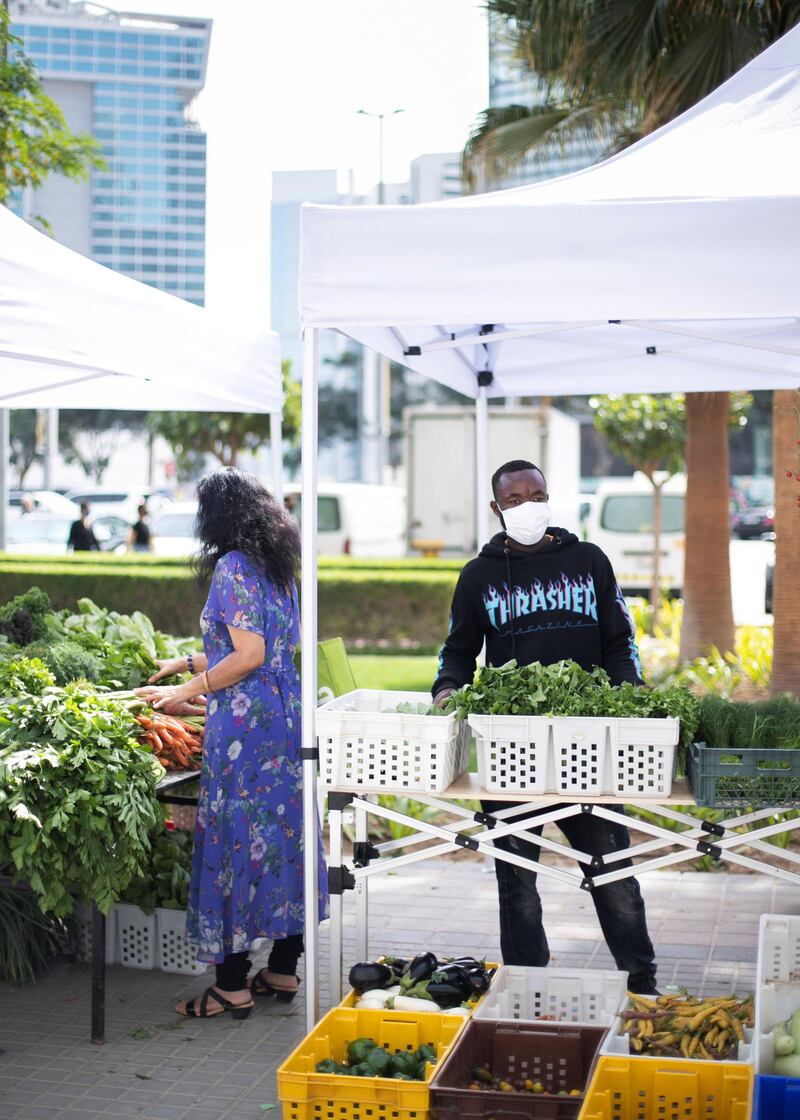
[[476, 831]]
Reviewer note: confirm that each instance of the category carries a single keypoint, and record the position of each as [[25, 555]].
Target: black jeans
[[619, 906], [283, 958]]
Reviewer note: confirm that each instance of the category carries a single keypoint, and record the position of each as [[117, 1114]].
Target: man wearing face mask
[[537, 593]]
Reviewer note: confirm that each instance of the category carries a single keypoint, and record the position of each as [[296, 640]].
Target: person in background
[[247, 871], [81, 535], [538, 594], [28, 504], [140, 535]]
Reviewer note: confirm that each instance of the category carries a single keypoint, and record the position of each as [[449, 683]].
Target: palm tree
[[610, 72], [786, 600]]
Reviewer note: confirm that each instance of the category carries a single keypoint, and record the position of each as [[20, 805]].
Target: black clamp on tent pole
[[465, 841], [587, 885], [413, 352], [340, 879], [485, 378], [485, 819], [712, 827], [707, 849], [339, 801], [587, 809], [309, 754], [363, 852]]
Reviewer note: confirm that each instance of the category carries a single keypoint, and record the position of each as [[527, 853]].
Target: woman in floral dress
[[247, 872]]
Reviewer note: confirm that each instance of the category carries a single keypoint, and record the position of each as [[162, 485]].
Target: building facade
[[130, 81]]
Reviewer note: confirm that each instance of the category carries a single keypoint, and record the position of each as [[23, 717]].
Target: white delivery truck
[[354, 519], [620, 521], [440, 470]]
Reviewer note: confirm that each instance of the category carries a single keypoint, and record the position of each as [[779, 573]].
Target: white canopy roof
[[672, 266], [74, 334]]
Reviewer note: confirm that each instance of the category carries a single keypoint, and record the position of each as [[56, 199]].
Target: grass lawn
[[403, 673]]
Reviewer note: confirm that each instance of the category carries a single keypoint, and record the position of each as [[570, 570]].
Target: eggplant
[[465, 962], [455, 975], [478, 980], [445, 994], [370, 974], [422, 967]]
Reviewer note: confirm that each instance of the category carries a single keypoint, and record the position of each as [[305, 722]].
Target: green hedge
[[365, 607]]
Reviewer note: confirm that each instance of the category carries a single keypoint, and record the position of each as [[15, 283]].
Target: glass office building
[[130, 81]]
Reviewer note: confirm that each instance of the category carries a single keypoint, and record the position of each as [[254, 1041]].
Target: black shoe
[[643, 984]]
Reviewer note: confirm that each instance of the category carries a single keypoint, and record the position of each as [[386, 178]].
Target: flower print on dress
[[234, 750], [240, 705]]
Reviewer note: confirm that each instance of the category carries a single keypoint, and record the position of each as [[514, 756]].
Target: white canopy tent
[[672, 266], [74, 334]]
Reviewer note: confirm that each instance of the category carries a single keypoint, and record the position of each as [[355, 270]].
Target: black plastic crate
[[752, 776], [559, 1055]]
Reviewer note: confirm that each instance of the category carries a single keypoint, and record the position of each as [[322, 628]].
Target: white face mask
[[526, 523]]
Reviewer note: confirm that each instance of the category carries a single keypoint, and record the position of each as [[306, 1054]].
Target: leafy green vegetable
[[407, 708], [768, 723], [68, 661], [77, 796], [565, 689], [165, 883], [22, 619], [24, 676]]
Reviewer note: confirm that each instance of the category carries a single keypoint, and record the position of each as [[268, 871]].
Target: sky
[[285, 81]]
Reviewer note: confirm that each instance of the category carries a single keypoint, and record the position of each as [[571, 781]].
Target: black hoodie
[[564, 604]]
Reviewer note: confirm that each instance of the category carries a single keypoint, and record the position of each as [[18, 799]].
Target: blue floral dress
[[247, 869]]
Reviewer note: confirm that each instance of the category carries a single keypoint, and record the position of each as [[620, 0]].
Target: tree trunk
[[658, 518], [786, 597], [708, 612]]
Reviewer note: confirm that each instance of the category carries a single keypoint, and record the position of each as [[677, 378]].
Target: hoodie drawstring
[[511, 604]]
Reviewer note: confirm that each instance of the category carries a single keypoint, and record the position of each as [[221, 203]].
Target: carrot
[[145, 722]]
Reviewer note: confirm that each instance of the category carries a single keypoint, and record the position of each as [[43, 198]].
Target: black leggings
[[283, 958]]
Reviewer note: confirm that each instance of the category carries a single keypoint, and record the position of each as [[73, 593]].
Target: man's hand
[[440, 699]]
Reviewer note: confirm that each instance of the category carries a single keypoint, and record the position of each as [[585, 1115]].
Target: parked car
[[46, 534], [173, 530], [355, 519], [117, 501], [754, 518], [44, 501], [620, 521]]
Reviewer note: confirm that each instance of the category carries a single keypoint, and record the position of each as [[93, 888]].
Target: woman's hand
[[194, 707], [169, 668], [168, 697]]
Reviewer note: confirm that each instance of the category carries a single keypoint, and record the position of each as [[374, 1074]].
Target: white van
[[355, 519], [620, 521]]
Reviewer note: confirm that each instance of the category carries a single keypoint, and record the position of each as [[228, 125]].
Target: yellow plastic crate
[[308, 1095], [627, 1089], [350, 999]]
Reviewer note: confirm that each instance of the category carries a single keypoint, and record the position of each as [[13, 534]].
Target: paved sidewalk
[[705, 928]]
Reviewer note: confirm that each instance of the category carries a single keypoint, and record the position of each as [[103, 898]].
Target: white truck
[[440, 470]]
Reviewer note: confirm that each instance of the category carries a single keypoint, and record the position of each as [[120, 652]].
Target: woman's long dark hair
[[236, 513]]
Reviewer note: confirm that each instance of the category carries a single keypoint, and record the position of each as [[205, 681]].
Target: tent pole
[[276, 449], [308, 672], [481, 463], [51, 448], [5, 453]]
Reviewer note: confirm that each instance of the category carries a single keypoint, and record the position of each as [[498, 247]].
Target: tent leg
[[51, 449], [481, 464], [308, 646], [276, 449], [5, 453]]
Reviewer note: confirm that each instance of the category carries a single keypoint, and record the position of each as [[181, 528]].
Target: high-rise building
[[511, 84], [130, 80]]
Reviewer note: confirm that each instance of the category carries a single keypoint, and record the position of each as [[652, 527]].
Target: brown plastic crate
[[559, 1055]]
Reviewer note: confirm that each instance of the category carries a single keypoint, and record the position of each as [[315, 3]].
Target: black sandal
[[259, 986], [237, 1010]]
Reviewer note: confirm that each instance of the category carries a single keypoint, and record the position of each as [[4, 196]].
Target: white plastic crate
[[643, 756], [777, 981], [82, 915], [580, 749], [136, 932], [363, 744], [578, 755], [184, 817], [566, 995], [175, 953], [513, 752]]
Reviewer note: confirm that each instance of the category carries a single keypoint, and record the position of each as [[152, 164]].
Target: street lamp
[[380, 117]]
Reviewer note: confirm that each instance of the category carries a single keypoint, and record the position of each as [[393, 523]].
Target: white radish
[[409, 1003], [376, 995], [465, 1011]]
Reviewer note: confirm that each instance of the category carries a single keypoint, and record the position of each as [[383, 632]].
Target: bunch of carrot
[[176, 743]]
